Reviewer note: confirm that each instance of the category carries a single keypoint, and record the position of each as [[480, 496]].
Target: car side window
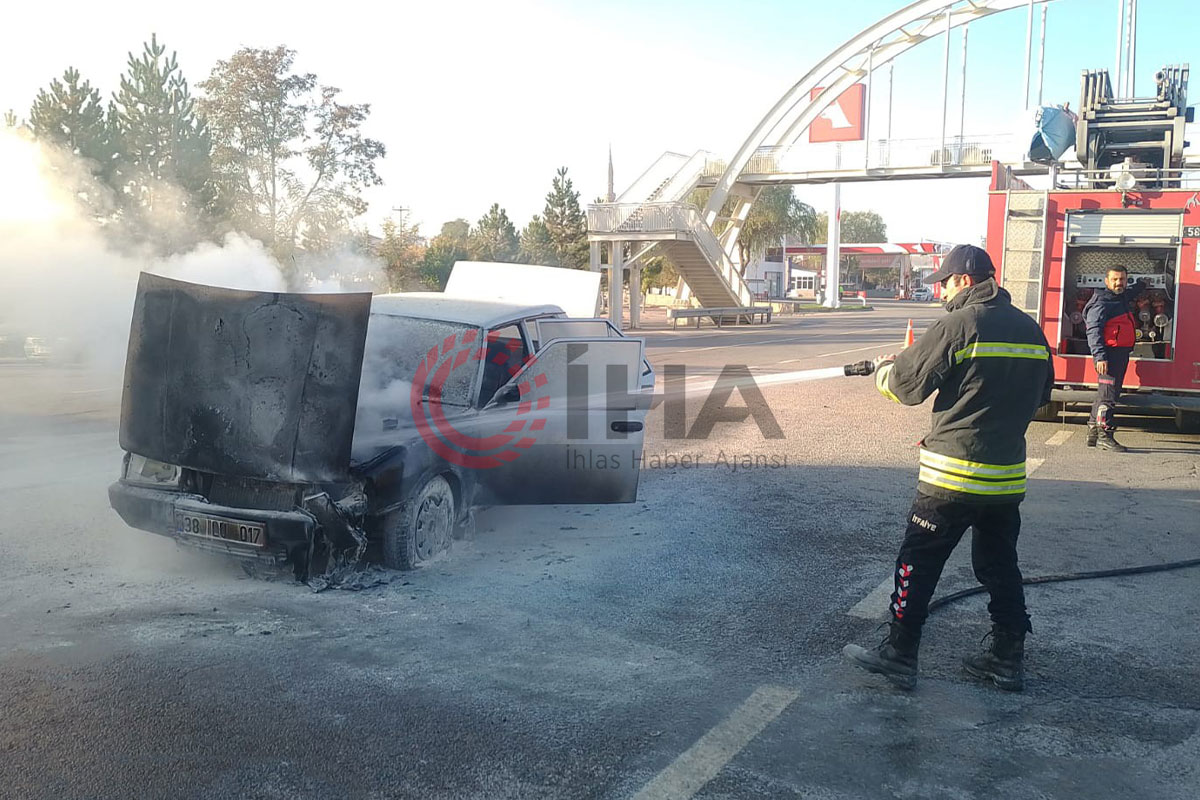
[[506, 354]]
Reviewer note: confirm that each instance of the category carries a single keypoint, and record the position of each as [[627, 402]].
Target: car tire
[[423, 528]]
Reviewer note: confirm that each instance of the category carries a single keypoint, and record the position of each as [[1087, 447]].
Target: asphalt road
[[686, 645]]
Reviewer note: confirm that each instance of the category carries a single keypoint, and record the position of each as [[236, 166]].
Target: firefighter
[[1111, 336], [990, 366]]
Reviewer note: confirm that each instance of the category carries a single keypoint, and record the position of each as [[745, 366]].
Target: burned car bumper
[[280, 534]]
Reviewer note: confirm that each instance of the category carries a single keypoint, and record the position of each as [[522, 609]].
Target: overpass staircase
[[653, 215]]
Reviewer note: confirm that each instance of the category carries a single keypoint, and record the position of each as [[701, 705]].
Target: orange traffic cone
[[908, 335]]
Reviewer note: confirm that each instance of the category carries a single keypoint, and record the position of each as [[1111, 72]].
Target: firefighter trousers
[[1104, 409], [935, 527]]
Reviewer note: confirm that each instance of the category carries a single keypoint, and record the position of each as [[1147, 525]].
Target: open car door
[[577, 413], [558, 328]]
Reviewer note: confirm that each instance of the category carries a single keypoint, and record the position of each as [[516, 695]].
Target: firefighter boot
[[1003, 662], [895, 657], [1093, 434], [1105, 441]]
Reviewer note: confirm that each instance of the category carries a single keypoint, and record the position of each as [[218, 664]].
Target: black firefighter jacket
[[990, 365]]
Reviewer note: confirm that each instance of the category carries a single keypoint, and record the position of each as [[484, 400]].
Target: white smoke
[[62, 281], [239, 262]]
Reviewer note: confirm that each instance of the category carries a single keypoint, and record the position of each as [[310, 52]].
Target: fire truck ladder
[[1146, 132], [1024, 259]]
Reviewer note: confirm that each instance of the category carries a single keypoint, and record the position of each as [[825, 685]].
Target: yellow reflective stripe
[[982, 479], [881, 382], [1001, 350], [937, 460], [966, 486]]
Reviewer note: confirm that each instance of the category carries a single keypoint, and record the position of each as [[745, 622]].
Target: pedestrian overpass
[[653, 216]]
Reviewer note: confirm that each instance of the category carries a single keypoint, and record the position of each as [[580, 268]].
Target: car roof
[[435, 305]]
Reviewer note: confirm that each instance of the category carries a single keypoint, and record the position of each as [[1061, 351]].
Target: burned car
[[312, 429]]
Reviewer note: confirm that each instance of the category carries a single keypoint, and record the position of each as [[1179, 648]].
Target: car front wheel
[[423, 528]]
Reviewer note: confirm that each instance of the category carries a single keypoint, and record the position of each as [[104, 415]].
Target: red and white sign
[[842, 121]]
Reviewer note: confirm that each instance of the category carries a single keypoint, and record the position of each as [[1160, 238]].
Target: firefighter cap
[[964, 259]]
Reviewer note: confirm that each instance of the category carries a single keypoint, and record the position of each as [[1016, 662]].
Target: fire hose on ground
[[868, 368]]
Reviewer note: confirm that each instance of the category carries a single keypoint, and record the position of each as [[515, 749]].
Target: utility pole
[[1028, 49], [1041, 57], [401, 210]]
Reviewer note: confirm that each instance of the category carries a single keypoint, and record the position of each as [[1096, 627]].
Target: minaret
[[612, 195]]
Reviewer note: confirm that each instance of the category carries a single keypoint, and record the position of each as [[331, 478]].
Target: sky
[[480, 102]]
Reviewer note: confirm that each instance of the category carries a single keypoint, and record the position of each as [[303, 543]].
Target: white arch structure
[[663, 220], [870, 48]]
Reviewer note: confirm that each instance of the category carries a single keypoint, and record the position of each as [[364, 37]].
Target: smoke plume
[[68, 280]]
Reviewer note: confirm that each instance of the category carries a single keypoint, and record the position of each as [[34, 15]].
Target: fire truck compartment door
[[1129, 229]]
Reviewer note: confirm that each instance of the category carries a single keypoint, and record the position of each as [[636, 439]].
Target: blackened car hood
[[250, 384]]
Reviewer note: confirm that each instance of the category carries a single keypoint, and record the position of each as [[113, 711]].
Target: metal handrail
[[661, 171], [655, 217], [668, 217], [975, 150], [1186, 177], [684, 180]]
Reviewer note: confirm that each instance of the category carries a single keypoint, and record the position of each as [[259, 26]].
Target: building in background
[[885, 268]]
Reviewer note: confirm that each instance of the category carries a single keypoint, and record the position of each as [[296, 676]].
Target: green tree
[[857, 227], [565, 223], [291, 160], [494, 237], [403, 253], [659, 273], [444, 249], [776, 213], [456, 230], [163, 171], [536, 245], [70, 114]]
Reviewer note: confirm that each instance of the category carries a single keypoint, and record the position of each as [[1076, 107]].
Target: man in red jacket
[[1110, 333]]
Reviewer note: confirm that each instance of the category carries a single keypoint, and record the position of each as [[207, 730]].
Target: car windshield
[[395, 348]]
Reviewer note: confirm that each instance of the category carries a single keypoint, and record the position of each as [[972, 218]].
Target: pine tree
[[439, 259], [566, 223], [69, 114], [164, 170], [494, 238], [536, 246]]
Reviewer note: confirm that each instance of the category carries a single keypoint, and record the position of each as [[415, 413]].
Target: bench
[[720, 315]]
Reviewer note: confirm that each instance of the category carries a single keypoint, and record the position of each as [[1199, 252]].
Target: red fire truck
[[1133, 201]]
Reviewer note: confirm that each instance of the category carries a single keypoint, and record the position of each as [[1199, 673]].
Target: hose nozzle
[[860, 368]]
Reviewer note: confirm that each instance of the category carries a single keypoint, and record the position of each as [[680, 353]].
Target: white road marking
[[874, 605], [794, 338], [1059, 438], [1032, 464], [702, 761]]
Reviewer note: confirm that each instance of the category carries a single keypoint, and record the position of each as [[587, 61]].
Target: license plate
[[229, 530]]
